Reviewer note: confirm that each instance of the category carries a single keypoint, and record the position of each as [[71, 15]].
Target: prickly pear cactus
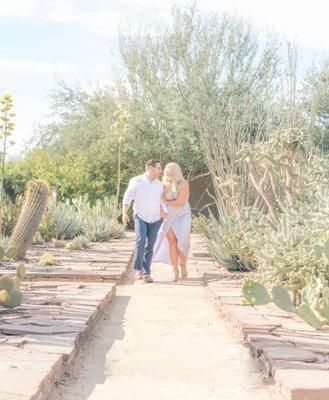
[[314, 310], [30, 217], [282, 299], [255, 293], [9, 254]]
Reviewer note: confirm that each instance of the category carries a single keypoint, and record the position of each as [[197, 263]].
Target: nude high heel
[[175, 274], [183, 272]]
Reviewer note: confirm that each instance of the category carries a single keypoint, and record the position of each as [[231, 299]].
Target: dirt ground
[[164, 341]]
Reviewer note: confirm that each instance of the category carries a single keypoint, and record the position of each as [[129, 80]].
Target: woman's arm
[[183, 195]]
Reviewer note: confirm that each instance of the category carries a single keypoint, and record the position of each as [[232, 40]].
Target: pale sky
[[70, 38]]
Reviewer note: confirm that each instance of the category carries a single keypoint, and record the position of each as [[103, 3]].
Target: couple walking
[[162, 218]]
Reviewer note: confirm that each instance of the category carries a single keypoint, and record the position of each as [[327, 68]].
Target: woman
[[173, 240]]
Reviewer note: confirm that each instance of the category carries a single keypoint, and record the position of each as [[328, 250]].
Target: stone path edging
[[295, 355], [40, 340]]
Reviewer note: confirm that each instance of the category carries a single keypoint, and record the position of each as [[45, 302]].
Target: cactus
[[282, 299], [30, 217], [10, 253], [10, 296], [15, 298], [323, 308], [313, 310], [255, 293], [326, 248], [21, 271], [3, 296], [308, 315], [7, 282], [17, 282]]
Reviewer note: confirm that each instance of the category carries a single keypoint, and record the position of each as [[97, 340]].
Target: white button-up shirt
[[147, 197]]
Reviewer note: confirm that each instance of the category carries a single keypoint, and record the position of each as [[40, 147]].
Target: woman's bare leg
[[173, 253], [182, 262]]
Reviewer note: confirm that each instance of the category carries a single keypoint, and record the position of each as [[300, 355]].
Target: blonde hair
[[173, 183]]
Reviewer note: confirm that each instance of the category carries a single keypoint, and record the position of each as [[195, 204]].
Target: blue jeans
[[146, 234]]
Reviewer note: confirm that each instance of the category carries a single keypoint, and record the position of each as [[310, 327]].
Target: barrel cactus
[[30, 217], [10, 295]]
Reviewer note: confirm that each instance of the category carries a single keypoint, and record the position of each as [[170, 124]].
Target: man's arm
[[127, 199]]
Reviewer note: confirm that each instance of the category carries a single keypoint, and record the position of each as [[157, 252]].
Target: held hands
[[163, 214], [125, 219]]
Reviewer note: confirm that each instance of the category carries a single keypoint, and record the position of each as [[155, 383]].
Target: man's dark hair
[[152, 163]]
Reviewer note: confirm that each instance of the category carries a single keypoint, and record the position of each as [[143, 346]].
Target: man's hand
[[125, 219], [163, 215]]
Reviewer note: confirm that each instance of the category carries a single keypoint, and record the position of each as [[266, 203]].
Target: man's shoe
[[147, 279], [138, 274]]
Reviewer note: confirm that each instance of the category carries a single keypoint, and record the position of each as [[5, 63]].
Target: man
[[146, 191]]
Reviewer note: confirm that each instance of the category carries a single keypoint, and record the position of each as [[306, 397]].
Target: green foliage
[[96, 222], [78, 243], [10, 295], [9, 214], [316, 102], [255, 293], [295, 252], [8, 254], [313, 309], [6, 129], [15, 298], [48, 259], [225, 243], [6, 282]]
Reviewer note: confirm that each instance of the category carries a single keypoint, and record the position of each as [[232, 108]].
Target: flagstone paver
[[39, 339], [100, 262], [292, 352]]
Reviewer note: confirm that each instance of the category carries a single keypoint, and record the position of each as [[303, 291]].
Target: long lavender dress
[[179, 220]]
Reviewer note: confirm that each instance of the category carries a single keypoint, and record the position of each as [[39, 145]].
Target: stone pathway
[[164, 341]]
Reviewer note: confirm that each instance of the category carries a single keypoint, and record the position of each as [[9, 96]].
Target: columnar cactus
[[10, 295], [30, 217]]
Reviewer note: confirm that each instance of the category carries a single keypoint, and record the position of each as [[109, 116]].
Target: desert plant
[[10, 295], [6, 129], [58, 243], [78, 243], [8, 254], [48, 258], [30, 217], [61, 221], [287, 255], [313, 308], [38, 238]]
